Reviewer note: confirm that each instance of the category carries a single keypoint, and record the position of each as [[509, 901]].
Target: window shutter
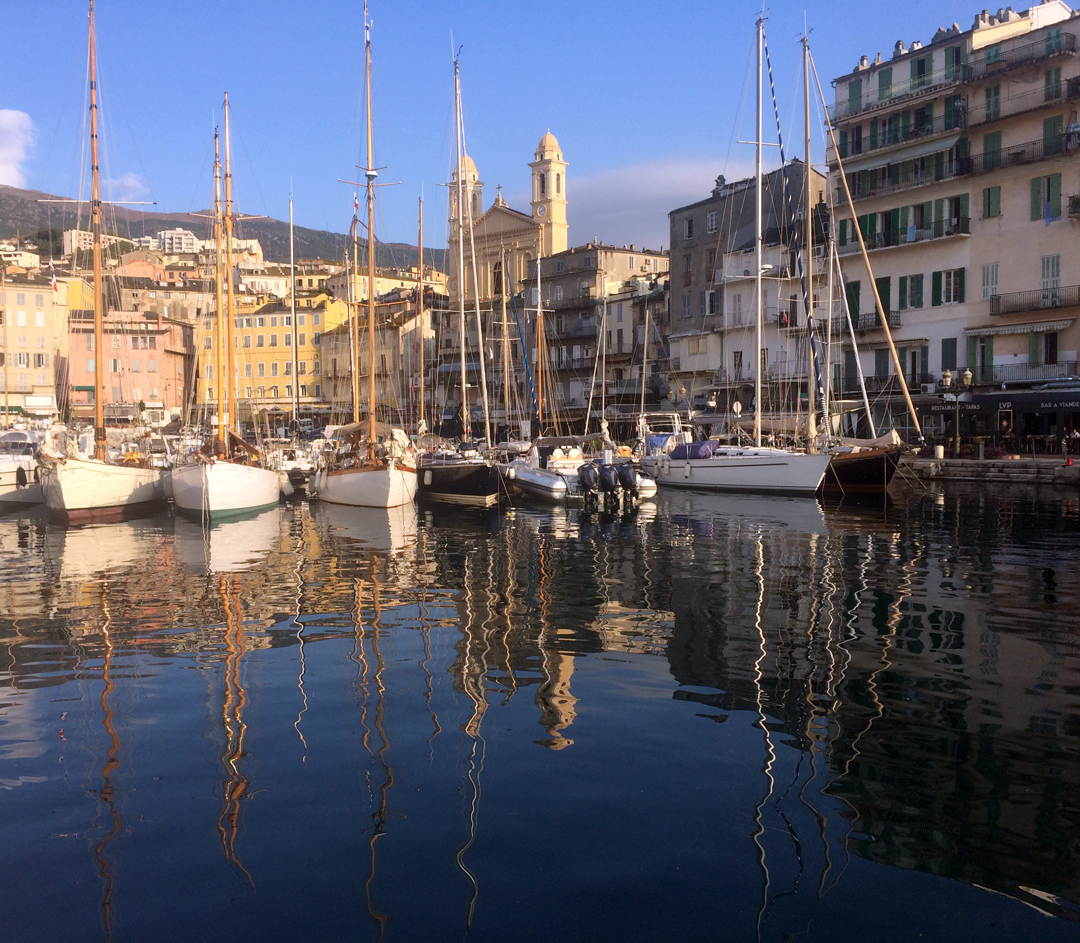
[[939, 213], [843, 145], [864, 226], [903, 292], [905, 124], [884, 290], [1033, 349], [939, 165], [1055, 196], [843, 232], [924, 360], [916, 291], [935, 289], [971, 353], [950, 112], [873, 133], [986, 202], [1036, 198], [961, 279], [852, 291], [995, 201], [871, 224], [988, 346], [929, 109], [965, 206]]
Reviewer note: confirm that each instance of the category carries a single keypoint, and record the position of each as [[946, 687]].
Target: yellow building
[[274, 355]]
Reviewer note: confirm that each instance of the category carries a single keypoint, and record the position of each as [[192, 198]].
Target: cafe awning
[[1030, 327]]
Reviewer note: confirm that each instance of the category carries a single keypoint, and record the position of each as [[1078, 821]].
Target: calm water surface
[[730, 718]]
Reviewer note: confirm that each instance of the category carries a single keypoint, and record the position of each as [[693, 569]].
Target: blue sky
[[648, 100]]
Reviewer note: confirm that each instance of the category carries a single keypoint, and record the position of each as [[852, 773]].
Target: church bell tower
[[549, 194]]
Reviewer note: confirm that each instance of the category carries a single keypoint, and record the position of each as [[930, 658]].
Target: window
[[318, 389], [586, 261], [688, 228], [116, 341], [630, 262], [993, 103], [247, 340], [316, 367], [273, 340], [286, 320], [260, 322], [989, 280], [854, 95], [274, 369], [1052, 84], [151, 366], [952, 62], [260, 340], [884, 84], [39, 300], [695, 345], [273, 321], [948, 353], [90, 365], [736, 364], [948, 287], [560, 265], [315, 319], [711, 224], [247, 392], [39, 318], [1050, 281], [135, 365], [991, 150], [208, 342], [919, 70], [288, 340], [20, 298], [856, 139], [991, 202], [736, 308], [1053, 139], [262, 369], [686, 302], [153, 343], [114, 365], [714, 302], [701, 303], [619, 312], [41, 360], [288, 368], [247, 369], [881, 363], [209, 371], [301, 339], [1046, 198], [558, 293], [301, 367]]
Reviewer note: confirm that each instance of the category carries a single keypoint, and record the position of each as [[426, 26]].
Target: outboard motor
[[609, 481], [628, 478], [590, 481]]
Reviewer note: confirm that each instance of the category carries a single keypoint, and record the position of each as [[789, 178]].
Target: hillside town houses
[[961, 154]]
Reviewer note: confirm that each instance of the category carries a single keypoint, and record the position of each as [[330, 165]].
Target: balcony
[[1017, 154], [1004, 60], [583, 327], [1014, 372], [871, 321], [893, 137], [1043, 299], [940, 229], [986, 66]]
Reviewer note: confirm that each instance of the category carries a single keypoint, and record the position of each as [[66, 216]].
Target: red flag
[[55, 287]]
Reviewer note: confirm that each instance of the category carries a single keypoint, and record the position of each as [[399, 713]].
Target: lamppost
[[946, 381]]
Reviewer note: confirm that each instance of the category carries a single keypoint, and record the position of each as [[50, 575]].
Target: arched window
[[558, 183], [496, 279], [475, 204], [543, 185]]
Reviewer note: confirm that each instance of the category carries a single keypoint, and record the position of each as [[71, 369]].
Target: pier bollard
[[939, 451], [981, 447]]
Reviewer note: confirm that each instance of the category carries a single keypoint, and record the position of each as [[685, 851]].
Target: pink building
[[148, 359]]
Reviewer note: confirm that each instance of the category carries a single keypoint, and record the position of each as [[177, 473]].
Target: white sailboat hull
[[540, 483], [754, 470], [368, 486], [221, 488], [83, 489]]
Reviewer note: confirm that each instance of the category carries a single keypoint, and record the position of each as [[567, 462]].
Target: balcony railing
[[1043, 299], [581, 328], [941, 228], [1018, 154], [870, 321], [1010, 373], [1002, 60], [985, 66], [890, 137]]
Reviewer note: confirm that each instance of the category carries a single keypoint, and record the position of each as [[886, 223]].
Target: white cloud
[[630, 204], [17, 137], [126, 187]]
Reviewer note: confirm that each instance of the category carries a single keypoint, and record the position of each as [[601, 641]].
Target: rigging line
[[807, 306]]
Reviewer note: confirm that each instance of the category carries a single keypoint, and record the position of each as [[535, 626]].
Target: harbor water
[[712, 717]]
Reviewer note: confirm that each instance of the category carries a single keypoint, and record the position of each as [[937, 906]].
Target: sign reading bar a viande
[[1030, 401]]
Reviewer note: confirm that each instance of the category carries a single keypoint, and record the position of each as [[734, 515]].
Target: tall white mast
[[465, 424], [757, 245], [292, 301]]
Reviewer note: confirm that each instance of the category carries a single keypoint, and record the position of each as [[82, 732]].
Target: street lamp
[[946, 381]]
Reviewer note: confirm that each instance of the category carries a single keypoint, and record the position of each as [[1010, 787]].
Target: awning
[[918, 149], [1032, 327], [1031, 401], [901, 344]]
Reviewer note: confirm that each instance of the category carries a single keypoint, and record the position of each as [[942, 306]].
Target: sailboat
[[78, 488], [707, 465], [226, 477], [464, 475], [372, 464]]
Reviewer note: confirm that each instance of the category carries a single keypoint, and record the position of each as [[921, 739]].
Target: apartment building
[[711, 334], [33, 319], [963, 160]]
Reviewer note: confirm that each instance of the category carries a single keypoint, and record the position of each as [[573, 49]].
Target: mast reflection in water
[[716, 715]]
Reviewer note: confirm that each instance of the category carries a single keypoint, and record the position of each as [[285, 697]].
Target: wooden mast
[[370, 174], [232, 410], [95, 218], [221, 357], [420, 309]]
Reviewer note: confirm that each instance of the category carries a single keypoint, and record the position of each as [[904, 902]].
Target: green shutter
[[852, 291], [884, 290], [843, 145], [1033, 349], [939, 213], [905, 124], [902, 301], [884, 84], [971, 354], [963, 148], [939, 165], [1055, 196], [1036, 198], [863, 223], [995, 201], [1052, 135], [916, 291], [965, 206], [988, 345], [843, 232], [871, 224], [894, 222], [950, 112], [935, 289], [961, 279], [929, 110], [924, 362], [905, 216], [873, 133], [986, 202], [991, 150]]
